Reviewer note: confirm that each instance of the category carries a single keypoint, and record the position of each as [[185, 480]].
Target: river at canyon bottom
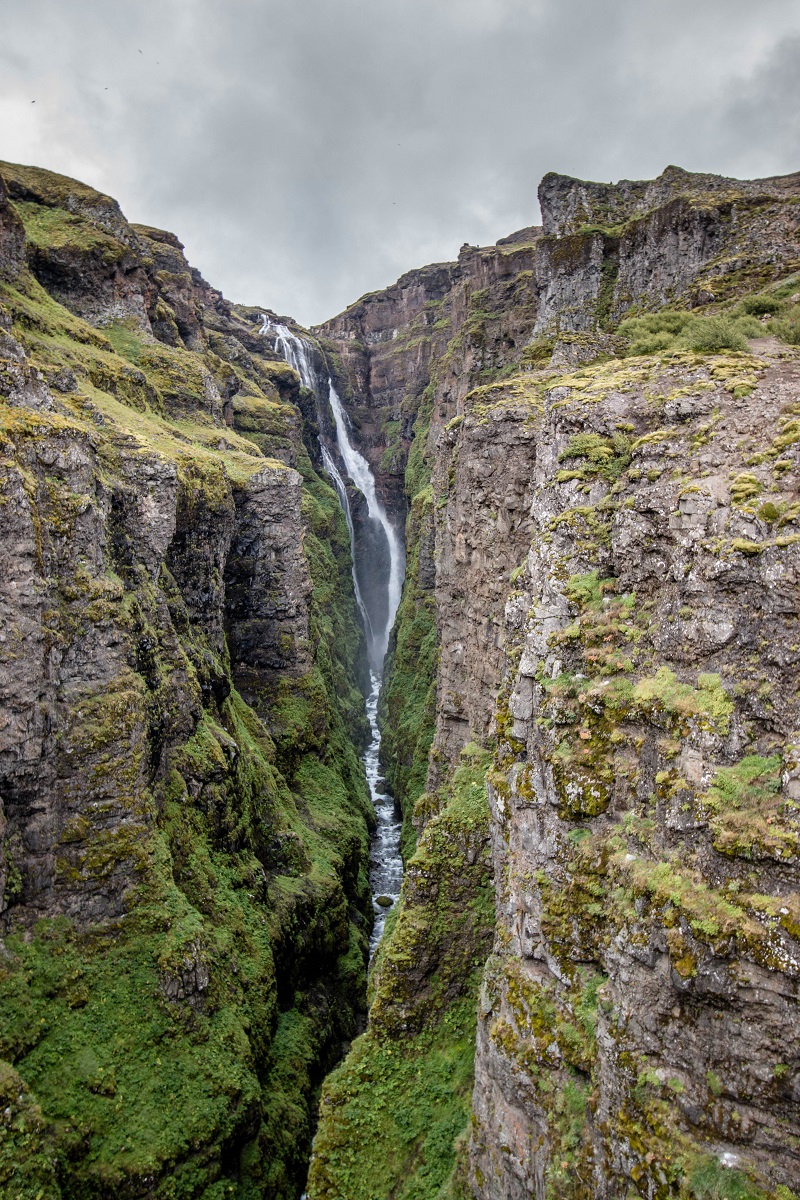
[[385, 863]]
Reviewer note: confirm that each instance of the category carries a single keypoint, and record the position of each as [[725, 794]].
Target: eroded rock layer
[[598, 421], [184, 819]]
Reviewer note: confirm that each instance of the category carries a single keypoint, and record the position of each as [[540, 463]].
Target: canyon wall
[[592, 695], [589, 987], [184, 904]]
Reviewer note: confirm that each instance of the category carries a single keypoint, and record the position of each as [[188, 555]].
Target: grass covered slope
[[183, 873], [394, 1112]]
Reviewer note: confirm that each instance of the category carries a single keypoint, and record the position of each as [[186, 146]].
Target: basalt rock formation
[[599, 424], [184, 818], [589, 988]]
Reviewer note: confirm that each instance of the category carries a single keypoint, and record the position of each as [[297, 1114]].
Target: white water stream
[[359, 471], [386, 864]]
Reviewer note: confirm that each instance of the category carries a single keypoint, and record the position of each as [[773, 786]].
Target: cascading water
[[386, 864], [344, 500], [359, 471]]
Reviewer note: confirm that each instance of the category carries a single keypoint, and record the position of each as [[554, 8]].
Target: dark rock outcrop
[[182, 877], [615, 603], [12, 238]]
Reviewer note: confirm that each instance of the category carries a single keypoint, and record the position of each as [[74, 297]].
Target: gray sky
[[307, 151]]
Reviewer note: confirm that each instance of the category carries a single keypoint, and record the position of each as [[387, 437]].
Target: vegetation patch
[[749, 817], [391, 1115], [408, 698], [177, 1048], [604, 458]]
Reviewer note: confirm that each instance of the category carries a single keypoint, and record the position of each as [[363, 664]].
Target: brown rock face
[[408, 356], [603, 543], [383, 346], [172, 858], [602, 250], [616, 600], [645, 965], [74, 739], [78, 751], [267, 582], [479, 536]]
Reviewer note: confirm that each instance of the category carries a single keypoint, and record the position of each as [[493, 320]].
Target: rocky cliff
[[598, 424], [184, 818], [589, 988]]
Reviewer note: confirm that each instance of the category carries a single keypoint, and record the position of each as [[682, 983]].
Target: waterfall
[[341, 491], [359, 471], [297, 354], [386, 864]]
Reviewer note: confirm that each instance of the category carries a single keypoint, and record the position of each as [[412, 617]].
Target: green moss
[[56, 228], [117, 1071], [605, 458], [178, 1047], [27, 1169], [745, 487], [714, 1083], [708, 702], [418, 467], [709, 1180], [391, 1115], [126, 339], [393, 457], [749, 816]]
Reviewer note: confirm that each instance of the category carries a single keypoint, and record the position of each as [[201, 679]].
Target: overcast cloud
[[307, 151]]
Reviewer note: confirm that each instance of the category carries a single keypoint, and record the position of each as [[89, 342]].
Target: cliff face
[[639, 1011], [589, 988], [602, 535], [184, 819]]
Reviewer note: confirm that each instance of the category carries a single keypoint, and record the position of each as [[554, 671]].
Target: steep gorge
[[601, 608], [589, 714]]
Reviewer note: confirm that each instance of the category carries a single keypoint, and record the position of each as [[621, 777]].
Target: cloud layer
[[308, 151]]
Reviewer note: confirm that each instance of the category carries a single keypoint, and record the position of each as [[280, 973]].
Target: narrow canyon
[[400, 718]]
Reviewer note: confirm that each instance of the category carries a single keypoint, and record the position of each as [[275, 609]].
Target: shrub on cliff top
[[761, 305], [652, 332], [667, 330], [787, 330], [708, 334]]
